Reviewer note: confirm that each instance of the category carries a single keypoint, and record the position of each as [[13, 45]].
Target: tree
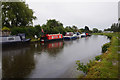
[[53, 23], [119, 27], [16, 14], [86, 28], [82, 30], [38, 30], [109, 29], [68, 29], [74, 28], [53, 27], [95, 30], [115, 27], [99, 31]]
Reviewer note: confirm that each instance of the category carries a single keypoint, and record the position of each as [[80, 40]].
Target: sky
[[92, 13]]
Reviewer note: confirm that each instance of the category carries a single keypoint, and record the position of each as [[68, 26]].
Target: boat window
[[10, 38], [23, 37], [60, 36], [69, 34], [52, 37]]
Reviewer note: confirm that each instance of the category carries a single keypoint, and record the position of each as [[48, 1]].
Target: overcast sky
[[92, 13]]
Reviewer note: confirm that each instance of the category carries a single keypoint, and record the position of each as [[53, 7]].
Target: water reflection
[[52, 48], [17, 62]]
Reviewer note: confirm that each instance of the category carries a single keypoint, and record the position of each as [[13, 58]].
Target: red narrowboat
[[51, 37]]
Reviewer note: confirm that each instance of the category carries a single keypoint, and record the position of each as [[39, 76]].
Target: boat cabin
[[69, 34]]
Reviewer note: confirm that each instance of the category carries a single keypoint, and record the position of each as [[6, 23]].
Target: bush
[[98, 57], [17, 30], [82, 67], [85, 68], [29, 31], [104, 47]]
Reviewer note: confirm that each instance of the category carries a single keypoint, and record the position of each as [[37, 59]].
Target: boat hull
[[69, 37], [15, 42], [51, 40], [83, 35]]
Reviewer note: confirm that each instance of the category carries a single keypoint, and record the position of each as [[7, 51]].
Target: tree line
[[115, 27]]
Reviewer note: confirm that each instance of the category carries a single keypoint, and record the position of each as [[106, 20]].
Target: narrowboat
[[14, 39], [70, 35], [51, 37]]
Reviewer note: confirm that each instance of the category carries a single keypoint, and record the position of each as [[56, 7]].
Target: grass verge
[[35, 40], [105, 65]]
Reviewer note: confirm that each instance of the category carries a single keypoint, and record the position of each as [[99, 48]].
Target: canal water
[[50, 60]]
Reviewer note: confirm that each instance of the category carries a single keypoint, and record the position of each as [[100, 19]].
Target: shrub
[[29, 31], [109, 36], [82, 67], [104, 47], [98, 57]]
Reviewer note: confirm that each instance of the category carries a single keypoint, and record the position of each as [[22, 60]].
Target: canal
[[50, 60]]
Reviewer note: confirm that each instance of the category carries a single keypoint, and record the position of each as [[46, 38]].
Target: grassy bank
[[34, 40], [105, 65], [109, 35]]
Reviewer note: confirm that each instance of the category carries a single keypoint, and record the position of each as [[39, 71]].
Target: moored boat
[[83, 35], [88, 34], [14, 39], [70, 35], [51, 37], [78, 34]]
